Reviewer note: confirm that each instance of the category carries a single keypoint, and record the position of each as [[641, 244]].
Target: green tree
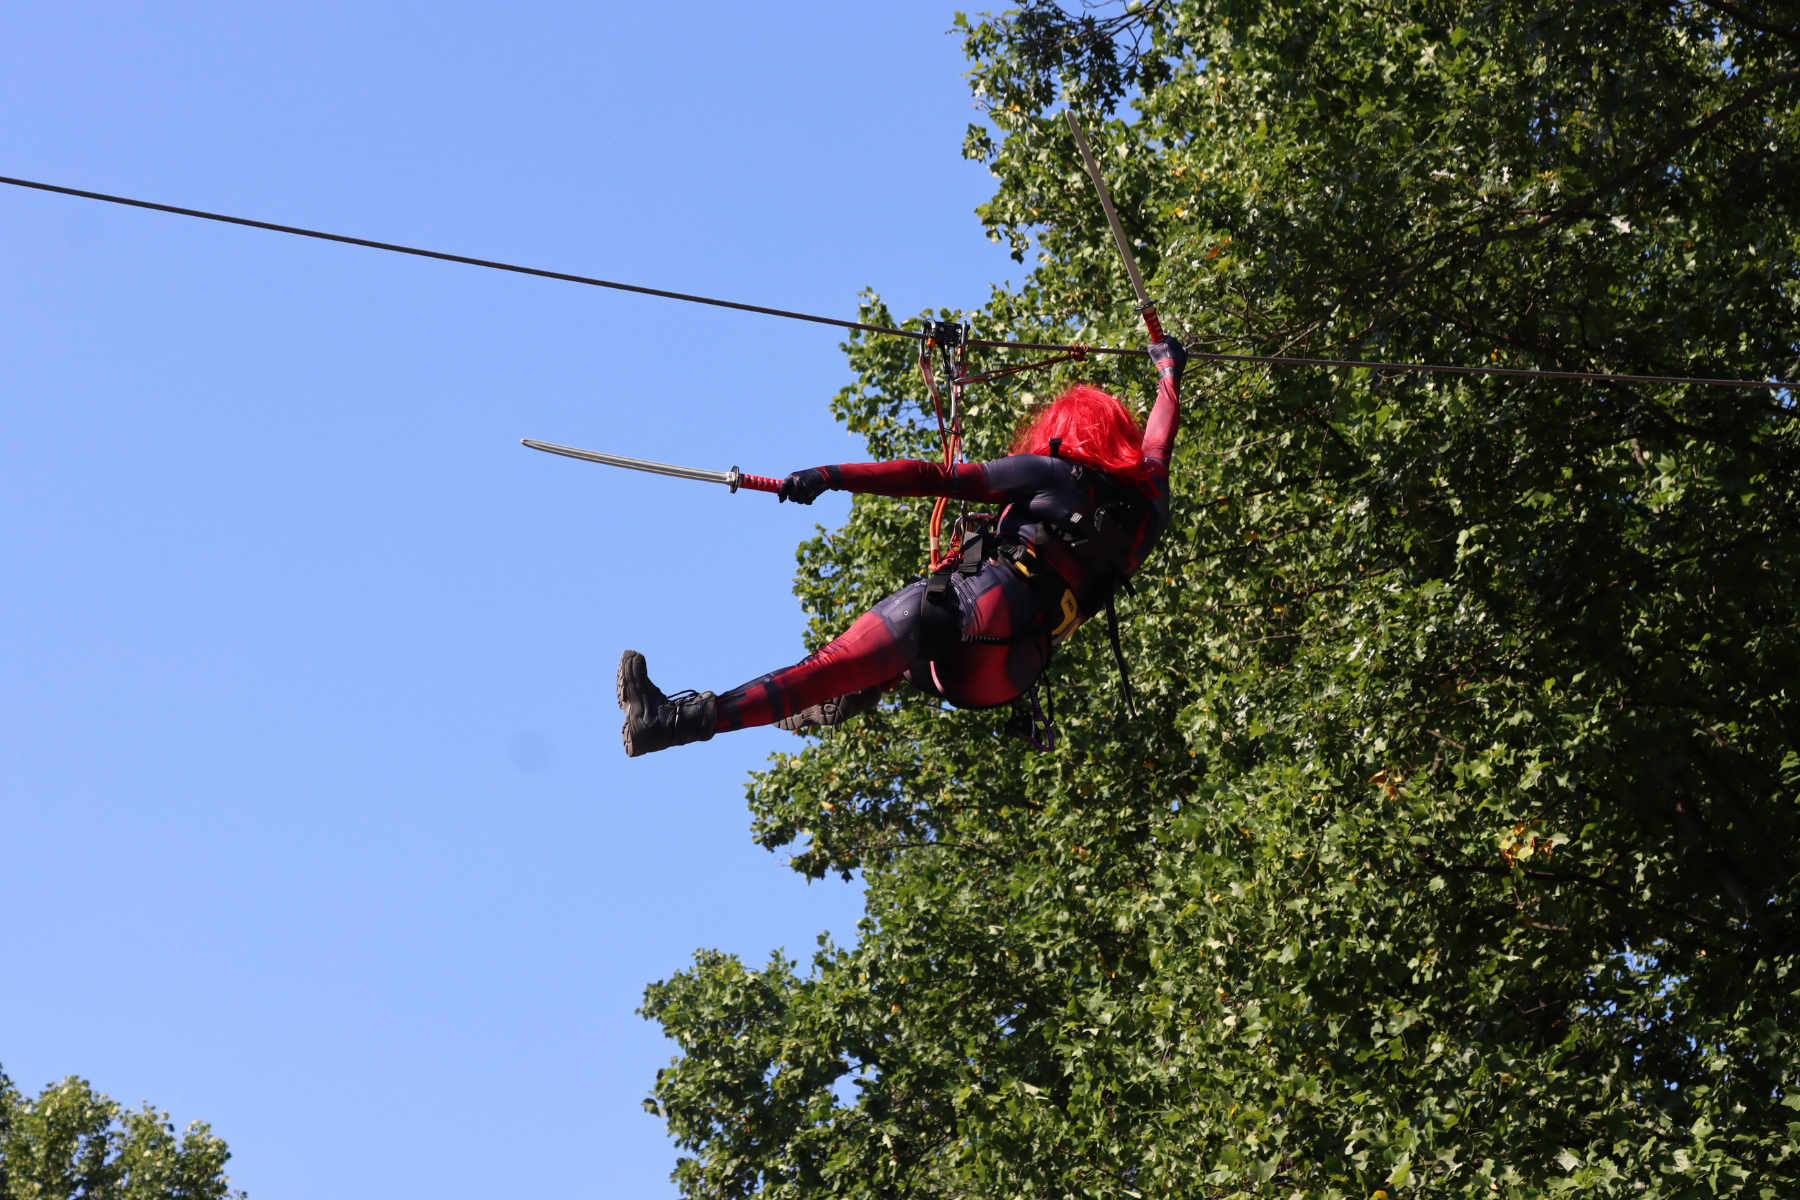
[[1452, 850], [70, 1143]]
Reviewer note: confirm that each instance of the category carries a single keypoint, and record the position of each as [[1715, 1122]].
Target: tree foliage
[[70, 1143], [1453, 849]]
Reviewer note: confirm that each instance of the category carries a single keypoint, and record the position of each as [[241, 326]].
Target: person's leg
[[872, 653]]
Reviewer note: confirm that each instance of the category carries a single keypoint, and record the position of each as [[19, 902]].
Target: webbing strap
[[1112, 633], [940, 619]]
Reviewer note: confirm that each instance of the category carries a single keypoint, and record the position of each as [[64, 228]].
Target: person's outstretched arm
[[969, 481], [900, 477], [1165, 418]]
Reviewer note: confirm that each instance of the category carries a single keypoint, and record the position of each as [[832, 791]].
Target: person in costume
[[1081, 501]]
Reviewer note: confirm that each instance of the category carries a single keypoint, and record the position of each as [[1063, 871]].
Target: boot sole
[[619, 679], [625, 664]]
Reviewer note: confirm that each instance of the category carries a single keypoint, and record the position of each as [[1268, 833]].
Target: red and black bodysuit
[[1040, 583]]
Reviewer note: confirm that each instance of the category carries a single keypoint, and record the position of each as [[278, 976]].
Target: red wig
[[1096, 431]]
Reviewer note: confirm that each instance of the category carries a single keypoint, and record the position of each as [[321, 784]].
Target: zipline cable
[[1264, 359], [457, 258]]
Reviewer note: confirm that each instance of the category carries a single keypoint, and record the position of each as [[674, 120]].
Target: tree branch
[[1438, 868], [1426, 252], [1694, 134], [1742, 17]]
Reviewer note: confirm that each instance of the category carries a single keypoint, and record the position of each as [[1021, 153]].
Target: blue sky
[[313, 816]]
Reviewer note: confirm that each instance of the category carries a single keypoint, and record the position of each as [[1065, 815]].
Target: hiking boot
[[833, 712], [654, 721]]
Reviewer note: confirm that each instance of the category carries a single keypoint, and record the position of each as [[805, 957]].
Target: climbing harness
[[941, 635], [1101, 539]]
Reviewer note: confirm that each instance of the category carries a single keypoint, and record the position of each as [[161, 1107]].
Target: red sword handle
[[1152, 325], [756, 483]]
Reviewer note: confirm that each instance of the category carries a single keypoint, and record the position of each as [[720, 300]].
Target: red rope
[[950, 441], [1078, 354]]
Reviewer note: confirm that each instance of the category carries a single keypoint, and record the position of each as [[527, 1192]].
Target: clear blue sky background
[[314, 821]]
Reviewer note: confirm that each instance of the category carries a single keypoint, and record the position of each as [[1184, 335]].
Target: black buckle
[[973, 555]]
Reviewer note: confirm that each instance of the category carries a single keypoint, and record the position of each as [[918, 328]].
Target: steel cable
[[888, 330]]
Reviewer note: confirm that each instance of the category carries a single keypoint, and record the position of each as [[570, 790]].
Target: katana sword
[[1146, 307], [733, 479]]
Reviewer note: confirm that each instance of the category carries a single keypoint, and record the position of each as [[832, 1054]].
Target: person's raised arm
[[901, 477], [1170, 358]]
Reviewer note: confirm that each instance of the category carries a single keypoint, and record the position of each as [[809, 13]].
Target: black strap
[[1112, 632], [1031, 722], [940, 619], [974, 554]]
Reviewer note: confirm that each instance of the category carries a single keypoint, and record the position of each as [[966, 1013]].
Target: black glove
[[803, 487], [1170, 357]]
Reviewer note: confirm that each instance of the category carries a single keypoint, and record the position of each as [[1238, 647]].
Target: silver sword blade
[[728, 478], [1106, 203]]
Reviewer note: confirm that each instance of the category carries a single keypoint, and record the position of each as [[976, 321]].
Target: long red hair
[[1096, 431]]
